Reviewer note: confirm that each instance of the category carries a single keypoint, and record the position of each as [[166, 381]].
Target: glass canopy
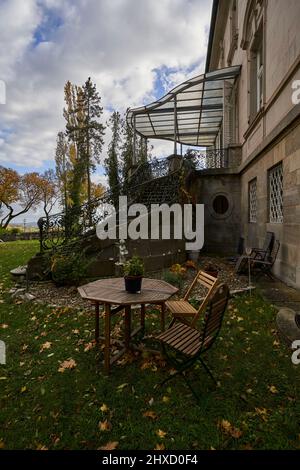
[[190, 114]]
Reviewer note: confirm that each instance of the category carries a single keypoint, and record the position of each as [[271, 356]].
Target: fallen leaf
[[89, 346], [23, 389], [104, 408], [161, 434], [1, 444], [121, 387], [104, 425], [111, 445], [150, 414], [159, 447], [4, 326], [165, 399], [41, 447], [272, 389], [46, 345], [68, 364], [229, 429]]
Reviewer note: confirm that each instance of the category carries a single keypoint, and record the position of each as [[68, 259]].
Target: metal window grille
[[252, 201], [276, 194]]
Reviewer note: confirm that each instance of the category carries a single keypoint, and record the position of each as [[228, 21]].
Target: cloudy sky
[[134, 50]]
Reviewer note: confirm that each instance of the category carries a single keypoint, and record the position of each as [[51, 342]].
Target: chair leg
[[208, 371]]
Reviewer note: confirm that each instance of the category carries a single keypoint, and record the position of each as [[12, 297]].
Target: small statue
[[122, 257]]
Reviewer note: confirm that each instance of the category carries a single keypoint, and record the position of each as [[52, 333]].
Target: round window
[[220, 204]]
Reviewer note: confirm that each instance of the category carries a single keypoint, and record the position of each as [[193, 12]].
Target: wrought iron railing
[[212, 159], [155, 181], [62, 228]]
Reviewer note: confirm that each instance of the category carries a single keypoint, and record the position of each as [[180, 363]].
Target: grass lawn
[[256, 405]]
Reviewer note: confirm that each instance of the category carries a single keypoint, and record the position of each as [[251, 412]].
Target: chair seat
[[180, 307], [183, 338]]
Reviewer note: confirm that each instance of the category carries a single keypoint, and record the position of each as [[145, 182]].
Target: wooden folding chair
[[182, 310], [265, 267], [256, 253], [190, 343]]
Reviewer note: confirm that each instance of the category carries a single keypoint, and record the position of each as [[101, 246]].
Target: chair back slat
[[203, 278], [269, 241], [274, 252], [214, 317]]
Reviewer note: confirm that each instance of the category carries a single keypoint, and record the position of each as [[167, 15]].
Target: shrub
[[134, 267], [69, 268], [15, 230], [173, 278], [178, 269]]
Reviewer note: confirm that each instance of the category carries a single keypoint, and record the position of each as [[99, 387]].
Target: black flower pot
[[133, 284]]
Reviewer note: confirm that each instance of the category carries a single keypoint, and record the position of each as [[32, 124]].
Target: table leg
[[143, 310], [127, 326], [107, 339], [97, 322], [162, 317]]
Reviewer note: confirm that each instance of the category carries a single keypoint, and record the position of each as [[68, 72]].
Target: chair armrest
[[258, 261]]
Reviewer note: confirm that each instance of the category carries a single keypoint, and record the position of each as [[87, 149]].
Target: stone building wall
[[285, 150], [221, 231]]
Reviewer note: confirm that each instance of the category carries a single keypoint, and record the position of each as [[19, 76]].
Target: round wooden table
[[112, 292]]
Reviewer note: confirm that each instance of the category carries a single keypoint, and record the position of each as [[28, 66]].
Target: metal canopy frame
[[190, 114]]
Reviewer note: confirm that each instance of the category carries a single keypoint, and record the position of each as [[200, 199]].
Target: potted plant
[[133, 274], [212, 270]]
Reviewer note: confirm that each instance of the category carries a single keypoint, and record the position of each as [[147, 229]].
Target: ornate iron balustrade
[[62, 228], [211, 159], [155, 181]]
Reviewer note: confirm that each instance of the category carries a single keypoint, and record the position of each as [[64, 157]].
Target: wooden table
[[112, 292]]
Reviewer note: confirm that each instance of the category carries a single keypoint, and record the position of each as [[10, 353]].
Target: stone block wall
[[287, 151]]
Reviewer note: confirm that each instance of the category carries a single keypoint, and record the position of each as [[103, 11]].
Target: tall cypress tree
[[75, 131], [112, 161], [127, 149], [62, 167], [93, 130]]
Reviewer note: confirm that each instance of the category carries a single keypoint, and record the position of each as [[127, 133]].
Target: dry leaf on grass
[[159, 447], [227, 428], [111, 445], [89, 346], [104, 408], [46, 345], [161, 434], [150, 414], [68, 364], [104, 425], [273, 389]]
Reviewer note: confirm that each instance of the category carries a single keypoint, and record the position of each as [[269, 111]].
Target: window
[[220, 204], [276, 194], [252, 201], [256, 75], [233, 18]]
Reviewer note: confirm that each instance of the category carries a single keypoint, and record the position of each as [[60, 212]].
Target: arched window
[[252, 41]]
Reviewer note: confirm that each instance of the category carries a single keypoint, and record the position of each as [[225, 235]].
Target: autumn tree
[[112, 162], [85, 134], [75, 122], [49, 191], [18, 194]]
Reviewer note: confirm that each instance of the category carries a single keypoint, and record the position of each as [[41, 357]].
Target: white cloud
[[121, 44]]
